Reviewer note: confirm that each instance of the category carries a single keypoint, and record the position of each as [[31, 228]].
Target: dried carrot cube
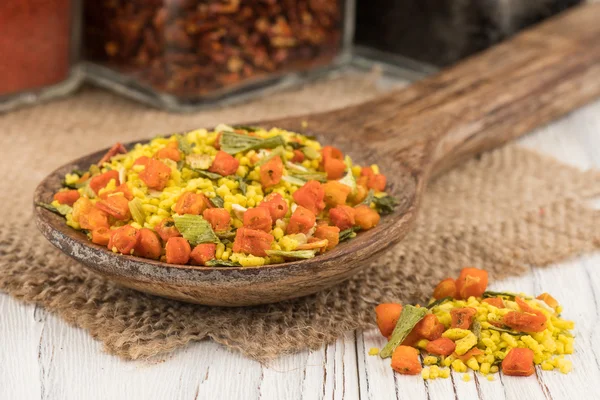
[[166, 229], [441, 346], [101, 236], [518, 362], [156, 174], [366, 217], [336, 193], [258, 218], [331, 233], [117, 148], [429, 327], [298, 156], [68, 197], [177, 251], [310, 196], [342, 217], [203, 253], [190, 203], [224, 164], [148, 245], [271, 172], [546, 298], [124, 239], [143, 160], [117, 206], [100, 181], [302, 221], [170, 153], [405, 360], [219, 218], [471, 282], [446, 288], [377, 182], [276, 205], [495, 301], [387, 317], [334, 168], [252, 241], [462, 317]]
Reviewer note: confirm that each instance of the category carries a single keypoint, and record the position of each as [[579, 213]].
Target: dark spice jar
[[39, 42], [182, 54], [441, 32]]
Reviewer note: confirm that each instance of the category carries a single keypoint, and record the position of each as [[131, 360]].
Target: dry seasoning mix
[[189, 48], [228, 197], [467, 327]]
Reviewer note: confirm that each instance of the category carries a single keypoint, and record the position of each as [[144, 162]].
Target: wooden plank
[[19, 350]]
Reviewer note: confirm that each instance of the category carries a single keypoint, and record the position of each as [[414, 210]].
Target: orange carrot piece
[[68, 197], [117, 148], [203, 253], [177, 251], [518, 362], [471, 353], [429, 327], [331, 233], [143, 160], [334, 168], [462, 317], [310, 196], [405, 360], [116, 206], [271, 172], [148, 245], [495, 301], [387, 315], [527, 320], [330, 152], [441, 346], [276, 205], [548, 299], [166, 229], [343, 217], [190, 203], [100, 181], [170, 153], [412, 338], [94, 218], [101, 236], [258, 218], [250, 241], [367, 171], [124, 239], [224, 164], [336, 193], [122, 188], [377, 182], [298, 156], [156, 174], [302, 221], [471, 282], [446, 288], [219, 218], [366, 217], [360, 195]]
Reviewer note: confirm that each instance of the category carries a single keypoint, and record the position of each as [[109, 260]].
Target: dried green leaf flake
[[195, 229], [409, 317]]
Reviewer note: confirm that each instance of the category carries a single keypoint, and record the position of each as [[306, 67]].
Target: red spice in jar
[[35, 39]]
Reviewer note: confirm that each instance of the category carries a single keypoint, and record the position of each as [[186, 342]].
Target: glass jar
[[185, 54], [424, 34], [39, 44]]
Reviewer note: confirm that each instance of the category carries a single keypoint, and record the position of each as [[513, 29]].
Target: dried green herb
[[298, 254], [222, 263], [439, 302], [195, 229], [506, 295], [310, 152], [184, 145], [385, 205], [62, 209], [309, 176], [217, 201], [348, 233], [233, 143], [476, 329], [137, 211], [409, 317], [247, 128], [208, 175]]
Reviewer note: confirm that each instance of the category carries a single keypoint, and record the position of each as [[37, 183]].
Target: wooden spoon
[[412, 134]]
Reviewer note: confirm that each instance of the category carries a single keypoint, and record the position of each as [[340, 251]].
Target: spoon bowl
[[412, 134]]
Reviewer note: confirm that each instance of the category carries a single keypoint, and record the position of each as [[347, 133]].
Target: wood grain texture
[[42, 354], [426, 128]]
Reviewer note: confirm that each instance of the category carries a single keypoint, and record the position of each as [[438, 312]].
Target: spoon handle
[[480, 103]]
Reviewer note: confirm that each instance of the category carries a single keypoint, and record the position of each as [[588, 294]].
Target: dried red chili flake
[[194, 47]]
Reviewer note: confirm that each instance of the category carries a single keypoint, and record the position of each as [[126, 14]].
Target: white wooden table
[[43, 357]]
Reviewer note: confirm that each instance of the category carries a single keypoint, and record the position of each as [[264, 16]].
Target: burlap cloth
[[509, 209]]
